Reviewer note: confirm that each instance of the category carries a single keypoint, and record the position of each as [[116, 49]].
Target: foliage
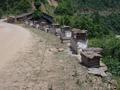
[[18, 6], [37, 14], [37, 4], [23, 6], [113, 22], [76, 6], [1, 13], [15, 6], [64, 8]]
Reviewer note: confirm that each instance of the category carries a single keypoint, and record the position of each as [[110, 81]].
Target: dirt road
[[13, 39]]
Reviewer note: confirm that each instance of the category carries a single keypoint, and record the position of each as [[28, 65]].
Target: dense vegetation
[[17, 6], [14, 6], [71, 7], [101, 19]]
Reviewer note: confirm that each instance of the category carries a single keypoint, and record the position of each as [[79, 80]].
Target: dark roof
[[47, 17], [24, 15], [29, 16]]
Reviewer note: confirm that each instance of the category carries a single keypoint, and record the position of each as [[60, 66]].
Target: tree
[[1, 13], [37, 4]]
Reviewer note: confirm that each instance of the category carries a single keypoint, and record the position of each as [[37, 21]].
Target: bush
[[37, 14], [1, 13], [37, 4], [64, 8], [78, 6], [22, 6]]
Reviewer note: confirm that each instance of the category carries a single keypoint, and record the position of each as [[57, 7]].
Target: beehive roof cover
[[90, 54], [75, 30], [93, 49], [24, 14]]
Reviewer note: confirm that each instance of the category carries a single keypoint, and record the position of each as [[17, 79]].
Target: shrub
[[37, 14], [1, 13], [37, 4]]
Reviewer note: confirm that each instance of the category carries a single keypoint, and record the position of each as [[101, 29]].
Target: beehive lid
[[97, 50], [75, 30], [91, 54]]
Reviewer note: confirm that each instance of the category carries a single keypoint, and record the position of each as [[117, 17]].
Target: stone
[[60, 49], [53, 50], [97, 71]]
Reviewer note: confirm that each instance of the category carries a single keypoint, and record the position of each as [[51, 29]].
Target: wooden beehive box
[[66, 34], [90, 59], [79, 40]]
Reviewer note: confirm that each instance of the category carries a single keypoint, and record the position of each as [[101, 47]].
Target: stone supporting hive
[[90, 59], [66, 34], [79, 40]]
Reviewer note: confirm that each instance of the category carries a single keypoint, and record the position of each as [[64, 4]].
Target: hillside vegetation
[[13, 7], [102, 20]]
